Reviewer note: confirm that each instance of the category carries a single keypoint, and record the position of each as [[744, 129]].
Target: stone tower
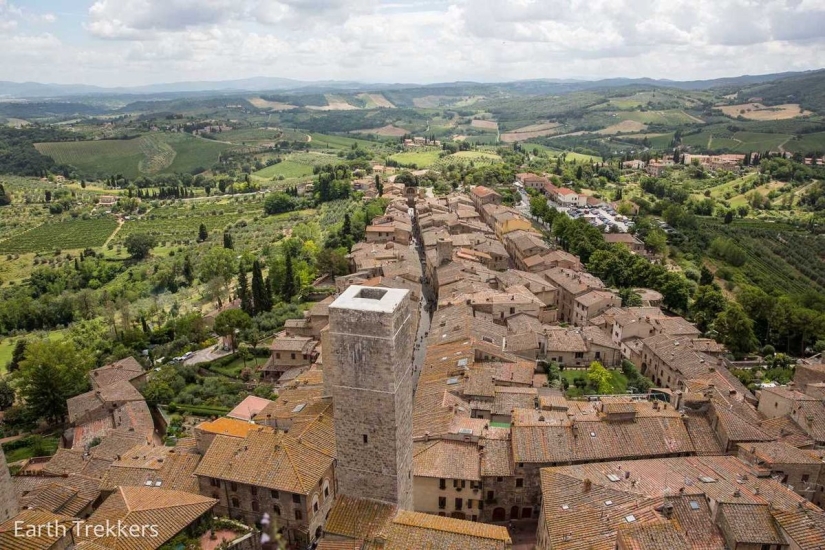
[[371, 334], [8, 496]]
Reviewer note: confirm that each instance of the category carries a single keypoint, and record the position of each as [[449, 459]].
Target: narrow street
[[426, 309]]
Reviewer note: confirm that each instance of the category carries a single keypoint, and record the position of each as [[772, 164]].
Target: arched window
[[326, 488], [315, 504], [277, 510], [255, 506], [235, 502]]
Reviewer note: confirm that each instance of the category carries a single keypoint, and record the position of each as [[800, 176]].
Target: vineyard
[[65, 235], [149, 154], [779, 257]]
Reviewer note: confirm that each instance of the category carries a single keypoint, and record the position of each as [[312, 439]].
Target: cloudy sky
[[134, 42]]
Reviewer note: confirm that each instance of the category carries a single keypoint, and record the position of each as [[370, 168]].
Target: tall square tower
[[371, 336], [8, 495]]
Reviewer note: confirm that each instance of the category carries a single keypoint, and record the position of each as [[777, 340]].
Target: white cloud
[[426, 40]]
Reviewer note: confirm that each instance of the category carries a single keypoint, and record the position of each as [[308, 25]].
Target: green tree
[[735, 330], [203, 234], [17, 355], [599, 378], [188, 270], [217, 268], [231, 323], [6, 393], [379, 186], [261, 295], [51, 373], [289, 286], [656, 241], [227, 240], [705, 276], [243, 292], [332, 262], [139, 245], [708, 302], [278, 203]]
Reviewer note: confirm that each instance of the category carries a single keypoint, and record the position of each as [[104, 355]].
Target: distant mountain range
[[36, 90]]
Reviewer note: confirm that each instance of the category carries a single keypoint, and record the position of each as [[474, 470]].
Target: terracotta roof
[[624, 238], [358, 518], [702, 435], [657, 535], [62, 495], [44, 539], [125, 369], [116, 443], [120, 391], [496, 458], [775, 452], [169, 511], [248, 408], [785, 429], [748, 523], [282, 462], [70, 461], [598, 441], [445, 458], [415, 530], [229, 427], [509, 398], [153, 466]]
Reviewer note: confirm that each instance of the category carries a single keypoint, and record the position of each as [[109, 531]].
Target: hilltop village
[[429, 403]]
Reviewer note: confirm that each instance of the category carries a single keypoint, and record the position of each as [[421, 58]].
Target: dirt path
[[120, 223], [781, 146]]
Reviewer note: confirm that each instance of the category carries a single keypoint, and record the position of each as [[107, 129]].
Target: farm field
[[286, 168], [622, 127], [261, 103], [673, 117], [65, 235], [480, 124], [739, 142], [421, 159], [149, 154], [374, 101], [324, 141], [807, 142], [334, 103], [741, 200], [388, 130], [757, 111], [530, 131]]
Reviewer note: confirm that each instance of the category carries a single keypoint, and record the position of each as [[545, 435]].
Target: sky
[[138, 42]]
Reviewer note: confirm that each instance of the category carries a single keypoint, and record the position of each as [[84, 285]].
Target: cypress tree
[[203, 234], [288, 287], [261, 296], [243, 292], [227, 240], [188, 270]]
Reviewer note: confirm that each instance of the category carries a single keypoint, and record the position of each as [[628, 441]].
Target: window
[[215, 482], [442, 502], [235, 502], [366, 439], [805, 478], [519, 482], [326, 488], [254, 491], [255, 506], [315, 506], [499, 479], [233, 486], [442, 484], [459, 503], [275, 494], [579, 354], [512, 310], [469, 504], [277, 510], [598, 355], [298, 515], [292, 356], [296, 499], [490, 495], [521, 464], [459, 483], [278, 355]]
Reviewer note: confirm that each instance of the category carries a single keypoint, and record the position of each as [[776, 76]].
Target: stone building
[[8, 496], [371, 334]]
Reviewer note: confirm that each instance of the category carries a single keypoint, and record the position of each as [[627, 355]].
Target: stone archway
[[514, 512], [499, 514], [526, 513]]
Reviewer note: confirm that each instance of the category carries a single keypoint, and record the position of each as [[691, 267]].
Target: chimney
[[587, 485]]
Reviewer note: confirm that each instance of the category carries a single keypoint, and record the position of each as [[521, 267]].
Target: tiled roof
[[749, 523], [70, 461], [153, 466], [702, 435], [281, 461], [229, 427], [62, 495], [785, 429], [775, 452], [508, 398], [169, 511], [125, 369], [116, 443], [445, 458], [44, 539], [248, 408], [658, 535], [496, 458], [597, 441], [120, 391], [358, 518], [415, 530]]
